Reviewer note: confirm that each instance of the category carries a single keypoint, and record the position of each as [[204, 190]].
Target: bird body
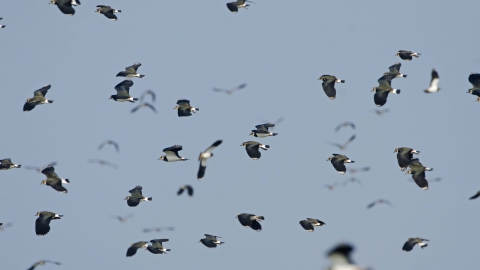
[[185, 187], [252, 149], [407, 55], [411, 242], [108, 12], [42, 224], [262, 130], [171, 154], [338, 161], [404, 155], [6, 164], [65, 6], [123, 92], [417, 170], [38, 98], [433, 83], [474, 79], [136, 197], [309, 224], [328, 85], [383, 89], [250, 220], [234, 6], [53, 180], [131, 71], [157, 247], [203, 159], [184, 109], [211, 241]]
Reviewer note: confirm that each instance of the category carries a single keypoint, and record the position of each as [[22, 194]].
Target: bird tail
[[65, 181], [48, 101], [149, 199], [118, 10], [141, 76], [135, 99], [259, 217], [18, 165], [340, 81], [274, 134], [403, 75], [221, 243], [395, 91], [428, 169]]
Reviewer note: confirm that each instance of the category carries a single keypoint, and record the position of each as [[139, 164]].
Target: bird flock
[[340, 255]]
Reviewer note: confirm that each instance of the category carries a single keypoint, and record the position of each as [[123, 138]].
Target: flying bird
[[184, 109], [123, 92], [379, 201], [42, 224], [404, 155], [124, 218], [109, 142], [343, 146], [381, 112], [475, 196], [328, 85], [474, 79], [131, 71], [65, 6], [211, 241], [252, 149], [351, 180], [144, 105], [262, 130], [171, 154], [383, 89], [309, 224], [407, 55], [345, 124], [150, 93], [188, 188], [132, 250], [136, 197], [158, 229], [341, 259], [203, 159], [103, 162], [6, 164], [395, 70], [157, 247], [234, 6], [42, 262], [338, 161], [53, 180], [250, 220], [331, 187], [40, 169], [433, 83], [4, 226], [230, 91], [2, 26], [38, 99], [355, 170], [108, 12], [411, 242], [417, 170]]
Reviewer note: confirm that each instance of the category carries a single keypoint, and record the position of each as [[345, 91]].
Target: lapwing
[[171, 154], [211, 241], [345, 124], [4, 226], [184, 109], [404, 155], [40, 169], [188, 188], [433, 83], [411, 242], [136, 197], [331, 187], [234, 6], [157, 247], [381, 112], [65, 6], [38, 99], [355, 170], [474, 79], [351, 180], [108, 12], [379, 201], [144, 105], [383, 89], [109, 142], [103, 163], [252, 149], [309, 224], [132, 250], [42, 224], [2, 26], [131, 71], [203, 159], [123, 92], [395, 70], [417, 170], [343, 146], [407, 55], [158, 229], [250, 220], [124, 218], [338, 161], [53, 180], [341, 259], [328, 85], [230, 91], [6, 164], [475, 196], [262, 130], [150, 93], [42, 262]]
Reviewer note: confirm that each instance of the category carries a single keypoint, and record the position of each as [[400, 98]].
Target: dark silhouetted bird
[[383, 89], [123, 92], [433, 83], [184, 109], [171, 154], [6, 164], [144, 105], [38, 99], [110, 142], [203, 159], [262, 130], [42, 262], [2, 26], [328, 85], [475, 196], [234, 6], [407, 55], [65, 6], [230, 91], [404, 155], [131, 71], [136, 197], [157, 247], [411, 242], [132, 250], [341, 260], [53, 180], [250, 220], [379, 201], [252, 149], [417, 170], [150, 93], [108, 12], [338, 161], [474, 79], [343, 146], [345, 124], [309, 224], [42, 224], [124, 218], [185, 187], [211, 241], [4, 226]]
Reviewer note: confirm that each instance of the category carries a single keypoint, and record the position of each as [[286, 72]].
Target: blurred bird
[[328, 85], [184, 109], [234, 6], [211, 241], [132, 250], [331, 187], [109, 142], [4, 226], [38, 99], [185, 187], [230, 91], [158, 229], [274, 123], [102, 162], [171, 154], [411, 242], [136, 197], [252, 149], [203, 159], [40, 169], [383, 89], [352, 180], [42, 262], [108, 12], [65, 6], [2, 26], [309, 224], [433, 83], [157, 247], [475, 196], [343, 146], [355, 170], [123, 92], [250, 220], [341, 260], [407, 55], [150, 93], [6, 164], [381, 112], [123, 219], [42, 224], [143, 105], [338, 161], [379, 201], [131, 71], [474, 79], [53, 180], [345, 124], [395, 70]]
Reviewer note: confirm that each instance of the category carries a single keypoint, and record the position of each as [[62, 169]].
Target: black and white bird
[[343, 146], [474, 79], [383, 89], [2, 26], [262, 130], [309, 224], [6, 164], [156, 247], [404, 155], [252, 149], [341, 259], [109, 142], [411, 242], [42, 262], [132, 250], [123, 219], [188, 188], [417, 170], [38, 98], [475, 196], [379, 201], [65, 6], [108, 12], [345, 124], [171, 154], [184, 109], [433, 83], [230, 91], [234, 6], [395, 70], [53, 180], [338, 161], [144, 105], [123, 92], [136, 197], [203, 159], [211, 241], [131, 71], [407, 55], [42, 224], [328, 85], [250, 220]]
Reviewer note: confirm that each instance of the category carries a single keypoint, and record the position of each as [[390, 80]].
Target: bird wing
[[435, 79], [49, 172], [189, 190], [151, 107], [395, 68], [42, 91], [329, 87], [372, 204], [123, 88], [264, 127], [474, 79], [133, 68], [148, 92], [6, 161], [419, 178], [136, 191], [475, 196], [211, 237], [349, 140], [201, 169], [57, 185], [386, 80], [174, 148], [307, 225], [408, 245], [183, 102], [213, 146]]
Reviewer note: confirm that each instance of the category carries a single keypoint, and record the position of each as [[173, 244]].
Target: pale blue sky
[[279, 48]]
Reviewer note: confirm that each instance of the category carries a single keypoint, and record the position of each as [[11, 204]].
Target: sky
[[279, 49]]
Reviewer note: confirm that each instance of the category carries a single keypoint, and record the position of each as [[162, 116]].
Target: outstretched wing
[[123, 88], [395, 68], [49, 172], [42, 91]]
